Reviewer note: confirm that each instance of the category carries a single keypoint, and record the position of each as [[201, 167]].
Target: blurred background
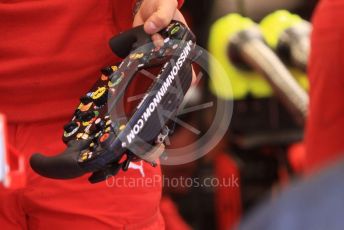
[[263, 148]]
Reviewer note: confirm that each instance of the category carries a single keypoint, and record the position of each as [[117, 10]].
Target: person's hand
[[155, 15]]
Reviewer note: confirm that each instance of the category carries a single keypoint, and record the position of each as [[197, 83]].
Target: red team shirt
[[325, 126], [51, 52]]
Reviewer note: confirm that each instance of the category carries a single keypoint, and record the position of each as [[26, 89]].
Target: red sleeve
[[180, 3]]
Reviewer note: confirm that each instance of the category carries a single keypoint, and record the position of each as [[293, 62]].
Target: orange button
[[104, 137]]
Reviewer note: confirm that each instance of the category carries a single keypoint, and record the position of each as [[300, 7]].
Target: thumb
[[161, 17]]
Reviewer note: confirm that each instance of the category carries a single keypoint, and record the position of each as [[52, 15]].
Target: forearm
[[137, 3]]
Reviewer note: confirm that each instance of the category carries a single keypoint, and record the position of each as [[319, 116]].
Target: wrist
[[137, 4]]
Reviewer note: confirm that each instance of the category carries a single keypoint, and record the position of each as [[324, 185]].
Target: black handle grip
[[123, 43], [62, 166]]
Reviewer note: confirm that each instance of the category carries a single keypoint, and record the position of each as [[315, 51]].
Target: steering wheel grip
[[126, 41], [62, 166]]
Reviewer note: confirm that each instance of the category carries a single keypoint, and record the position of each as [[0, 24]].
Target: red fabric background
[[51, 53]]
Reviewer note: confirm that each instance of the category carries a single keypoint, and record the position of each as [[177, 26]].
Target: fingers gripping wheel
[[100, 138]]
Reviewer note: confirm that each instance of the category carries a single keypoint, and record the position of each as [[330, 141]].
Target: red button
[[104, 137]]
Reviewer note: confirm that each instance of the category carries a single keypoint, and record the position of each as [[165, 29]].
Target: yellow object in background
[[272, 27], [242, 81]]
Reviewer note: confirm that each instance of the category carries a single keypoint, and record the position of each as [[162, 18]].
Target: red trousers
[[77, 204]]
